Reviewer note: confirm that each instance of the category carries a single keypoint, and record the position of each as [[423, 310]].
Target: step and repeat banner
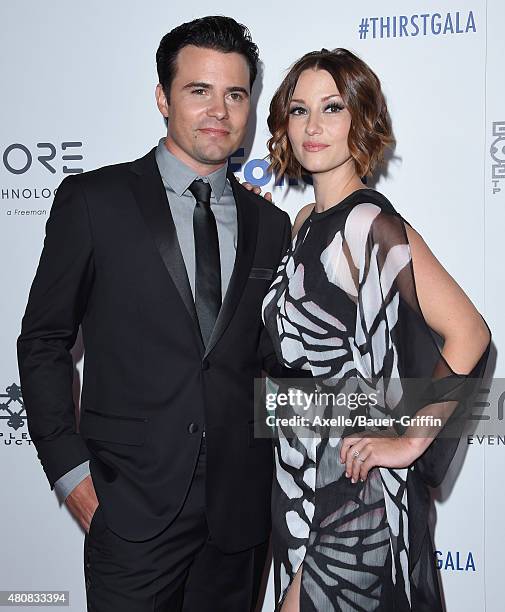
[[77, 83]]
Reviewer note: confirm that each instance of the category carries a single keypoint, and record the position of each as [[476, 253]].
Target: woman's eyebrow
[[324, 98]]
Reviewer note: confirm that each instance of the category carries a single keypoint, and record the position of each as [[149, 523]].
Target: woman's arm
[[447, 309], [449, 312]]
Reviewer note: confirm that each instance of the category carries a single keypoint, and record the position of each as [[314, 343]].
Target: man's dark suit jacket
[[112, 263]]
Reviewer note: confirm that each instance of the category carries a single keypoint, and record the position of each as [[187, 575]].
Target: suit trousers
[[180, 569]]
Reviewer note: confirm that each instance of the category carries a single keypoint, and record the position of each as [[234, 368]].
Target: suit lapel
[[152, 201], [247, 220]]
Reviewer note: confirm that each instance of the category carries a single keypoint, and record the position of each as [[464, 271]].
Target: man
[[165, 262]]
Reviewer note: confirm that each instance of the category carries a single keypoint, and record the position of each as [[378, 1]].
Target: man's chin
[[215, 158]]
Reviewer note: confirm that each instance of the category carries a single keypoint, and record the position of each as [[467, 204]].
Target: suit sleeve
[[267, 353], [56, 305]]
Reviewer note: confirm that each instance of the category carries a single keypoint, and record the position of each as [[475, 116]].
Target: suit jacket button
[[192, 428], [205, 364]]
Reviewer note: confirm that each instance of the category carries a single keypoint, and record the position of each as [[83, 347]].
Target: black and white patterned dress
[[343, 308]]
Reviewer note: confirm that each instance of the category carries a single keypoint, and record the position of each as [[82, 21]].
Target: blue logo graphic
[[251, 168], [455, 561]]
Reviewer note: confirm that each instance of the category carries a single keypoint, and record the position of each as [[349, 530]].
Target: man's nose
[[217, 108]]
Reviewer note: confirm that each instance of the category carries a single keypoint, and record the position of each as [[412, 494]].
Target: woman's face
[[319, 123]]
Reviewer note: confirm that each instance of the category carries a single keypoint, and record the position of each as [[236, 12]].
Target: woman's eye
[[297, 110], [334, 108]]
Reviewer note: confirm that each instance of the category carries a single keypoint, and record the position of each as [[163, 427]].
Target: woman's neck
[[333, 186]]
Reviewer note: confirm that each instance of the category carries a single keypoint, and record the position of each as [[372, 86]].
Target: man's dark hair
[[214, 32]]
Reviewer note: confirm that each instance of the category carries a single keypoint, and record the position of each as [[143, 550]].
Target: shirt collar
[[179, 176]]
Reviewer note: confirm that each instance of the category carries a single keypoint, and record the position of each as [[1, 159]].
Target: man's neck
[[200, 168]]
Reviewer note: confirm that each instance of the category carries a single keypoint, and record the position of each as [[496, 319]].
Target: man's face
[[208, 108]]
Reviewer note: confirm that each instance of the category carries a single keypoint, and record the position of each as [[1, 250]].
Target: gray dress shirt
[[177, 177]]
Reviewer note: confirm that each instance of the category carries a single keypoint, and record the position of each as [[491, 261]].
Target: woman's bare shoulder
[[301, 216]]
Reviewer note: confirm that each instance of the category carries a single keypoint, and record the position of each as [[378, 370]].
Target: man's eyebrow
[[238, 88], [335, 95], [200, 84], [203, 85]]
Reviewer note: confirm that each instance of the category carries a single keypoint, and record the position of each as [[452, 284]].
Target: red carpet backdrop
[[78, 85]]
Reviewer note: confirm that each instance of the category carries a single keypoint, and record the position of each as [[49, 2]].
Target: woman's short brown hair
[[360, 88]]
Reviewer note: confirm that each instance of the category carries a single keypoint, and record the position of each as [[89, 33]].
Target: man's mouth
[[214, 131]]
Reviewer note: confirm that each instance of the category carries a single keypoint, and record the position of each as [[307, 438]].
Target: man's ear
[[161, 101]]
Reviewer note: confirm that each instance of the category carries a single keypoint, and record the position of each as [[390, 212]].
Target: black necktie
[[207, 261]]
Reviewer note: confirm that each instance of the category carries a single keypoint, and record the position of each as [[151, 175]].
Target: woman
[[350, 513]]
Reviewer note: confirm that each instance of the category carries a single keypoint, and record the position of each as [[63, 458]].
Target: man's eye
[[199, 91], [236, 96]]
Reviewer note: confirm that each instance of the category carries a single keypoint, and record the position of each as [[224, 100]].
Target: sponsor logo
[[23, 160], [455, 560], [18, 159], [255, 171], [426, 24], [497, 151], [485, 440], [13, 417]]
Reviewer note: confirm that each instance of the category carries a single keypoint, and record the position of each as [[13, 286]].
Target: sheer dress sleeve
[[396, 348]]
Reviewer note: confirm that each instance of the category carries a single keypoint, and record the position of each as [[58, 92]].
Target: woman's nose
[[313, 126]]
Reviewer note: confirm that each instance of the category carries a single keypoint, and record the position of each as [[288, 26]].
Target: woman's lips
[[314, 146]]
